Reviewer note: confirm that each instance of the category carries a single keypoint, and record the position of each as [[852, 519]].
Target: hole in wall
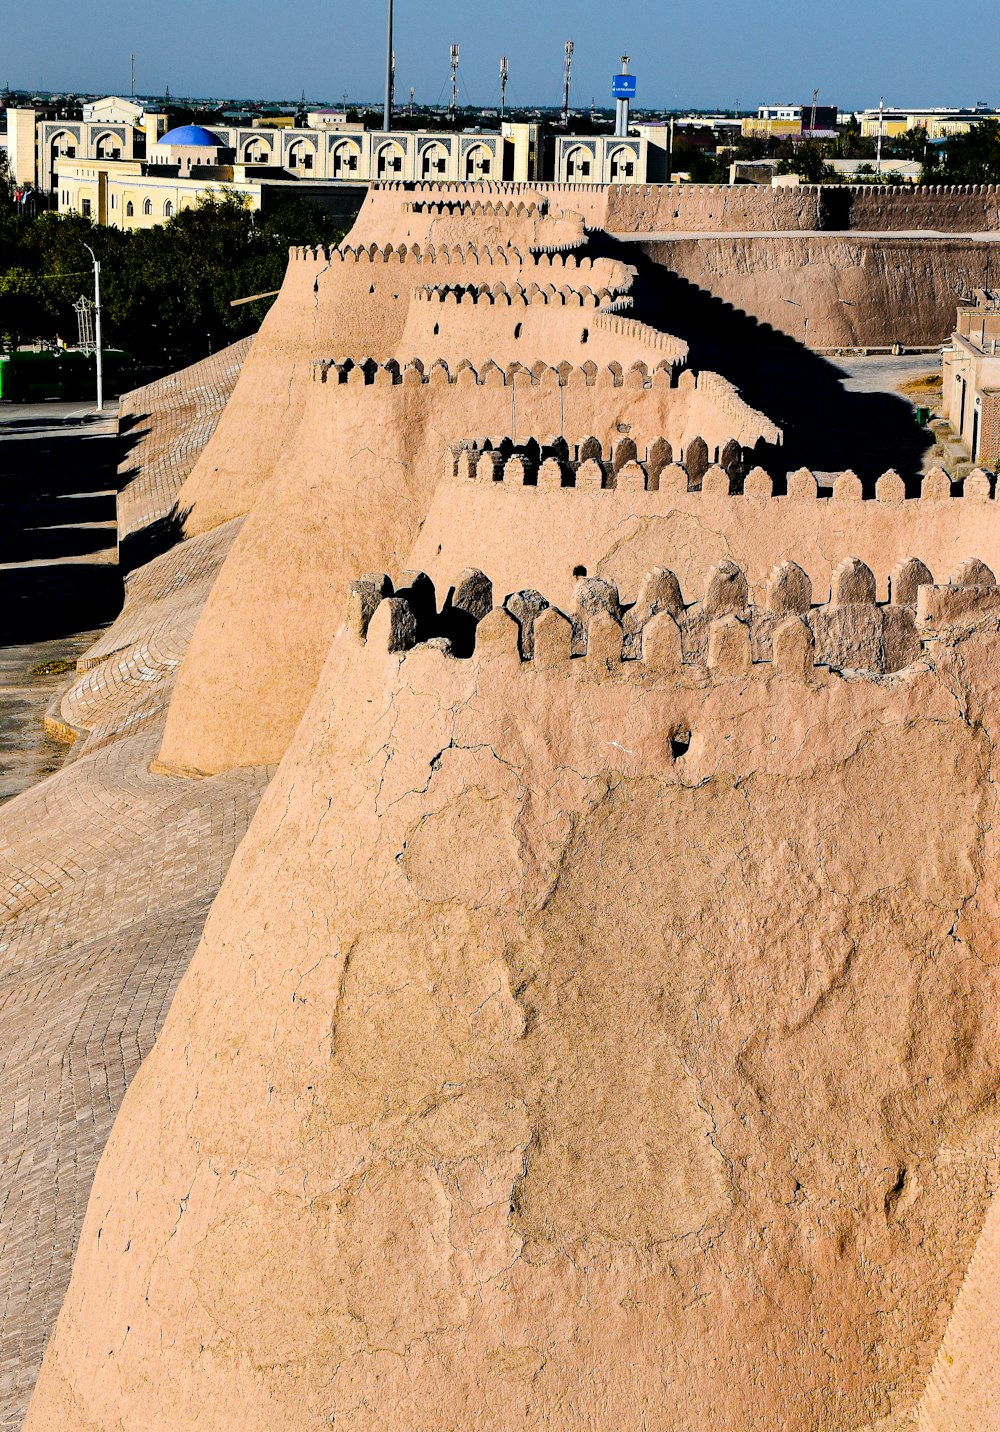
[[437, 329], [585, 336], [680, 744], [372, 289], [579, 571], [518, 330]]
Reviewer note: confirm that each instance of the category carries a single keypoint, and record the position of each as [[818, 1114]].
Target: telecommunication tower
[[412, 94], [504, 77], [567, 79], [453, 107], [812, 121], [132, 59]]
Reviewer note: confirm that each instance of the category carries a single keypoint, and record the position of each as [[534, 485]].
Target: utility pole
[[881, 131], [387, 112], [97, 329], [567, 79], [504, 76], [453, 107]]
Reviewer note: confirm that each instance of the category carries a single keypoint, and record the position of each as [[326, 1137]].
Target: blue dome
[[193, 136]]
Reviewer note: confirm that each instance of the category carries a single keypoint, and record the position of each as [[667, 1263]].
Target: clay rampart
[[830, 291], [476, 208], [368, 372], [666, 208], [696, 208], [721, 631], [513, 296], [468, 254]]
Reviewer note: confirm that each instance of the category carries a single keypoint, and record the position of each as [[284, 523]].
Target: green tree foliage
[[167, 290], [972, 158], [807, 160]]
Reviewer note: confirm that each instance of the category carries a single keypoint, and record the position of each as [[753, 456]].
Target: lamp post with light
[[97, 328]]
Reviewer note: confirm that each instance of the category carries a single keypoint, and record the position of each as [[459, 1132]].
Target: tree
[[807, 160], [972, 158], [167, 290]]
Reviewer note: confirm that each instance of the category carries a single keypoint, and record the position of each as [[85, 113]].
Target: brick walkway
[[107, 873]]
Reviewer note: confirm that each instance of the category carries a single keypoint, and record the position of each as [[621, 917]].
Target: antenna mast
[[132, 59], [504, 76], [812, 122], [567, 79], [453, 107]]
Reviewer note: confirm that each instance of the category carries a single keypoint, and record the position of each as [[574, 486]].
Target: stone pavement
[[107, 873]]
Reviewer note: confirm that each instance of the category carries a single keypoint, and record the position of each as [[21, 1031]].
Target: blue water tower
[[623, 88]]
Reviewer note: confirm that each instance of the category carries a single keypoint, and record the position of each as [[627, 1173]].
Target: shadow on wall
[[827, 428]]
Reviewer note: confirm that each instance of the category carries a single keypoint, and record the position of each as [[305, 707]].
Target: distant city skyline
[[853, 51]]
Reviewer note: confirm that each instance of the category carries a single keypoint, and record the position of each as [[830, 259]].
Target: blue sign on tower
[[623, 86]]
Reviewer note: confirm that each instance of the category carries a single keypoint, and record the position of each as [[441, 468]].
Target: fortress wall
[[320, 307], [692, 208], [279, 599], [533, 537], [383, 213], [855, 292], [446, 1157], [473, 329]]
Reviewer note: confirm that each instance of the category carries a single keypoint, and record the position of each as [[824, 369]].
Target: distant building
[[938, 123], [75, 161], [639, 158], [971, 397], [792, 121]]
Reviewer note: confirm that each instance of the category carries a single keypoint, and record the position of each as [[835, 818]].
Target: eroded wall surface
[[597, 1026]]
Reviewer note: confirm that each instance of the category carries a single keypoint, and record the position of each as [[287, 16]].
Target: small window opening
[[437, 329], [519, 330], [585, 336], [680, 744], [579, 571]]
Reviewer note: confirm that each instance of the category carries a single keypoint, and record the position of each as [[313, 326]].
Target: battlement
[[721, 634], [478, 208], [468, 254], [520, 296], [589, 466], [368, 372]]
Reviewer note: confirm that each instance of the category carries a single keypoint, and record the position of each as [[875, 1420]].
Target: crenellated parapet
[[469, 255], [720, 634], [589, 465], [368, 372], [516, 295], [477, 208]]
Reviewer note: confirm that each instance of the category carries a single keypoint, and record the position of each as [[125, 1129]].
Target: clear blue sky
[[686, 52]]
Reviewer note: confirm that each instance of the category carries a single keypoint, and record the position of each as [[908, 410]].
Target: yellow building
[[188, 165], [938, 123], [774, 121]]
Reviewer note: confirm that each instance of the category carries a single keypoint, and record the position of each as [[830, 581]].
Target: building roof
[[192, 136]]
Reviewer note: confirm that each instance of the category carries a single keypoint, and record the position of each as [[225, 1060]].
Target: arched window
[[168, 209], [130, 210], [147, 207]]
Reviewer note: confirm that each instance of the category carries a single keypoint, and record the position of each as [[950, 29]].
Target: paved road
[[59, 579]]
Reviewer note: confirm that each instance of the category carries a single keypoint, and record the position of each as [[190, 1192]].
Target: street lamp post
[[97, 328]]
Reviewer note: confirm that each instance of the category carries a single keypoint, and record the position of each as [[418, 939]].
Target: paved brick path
[[107, 873]]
